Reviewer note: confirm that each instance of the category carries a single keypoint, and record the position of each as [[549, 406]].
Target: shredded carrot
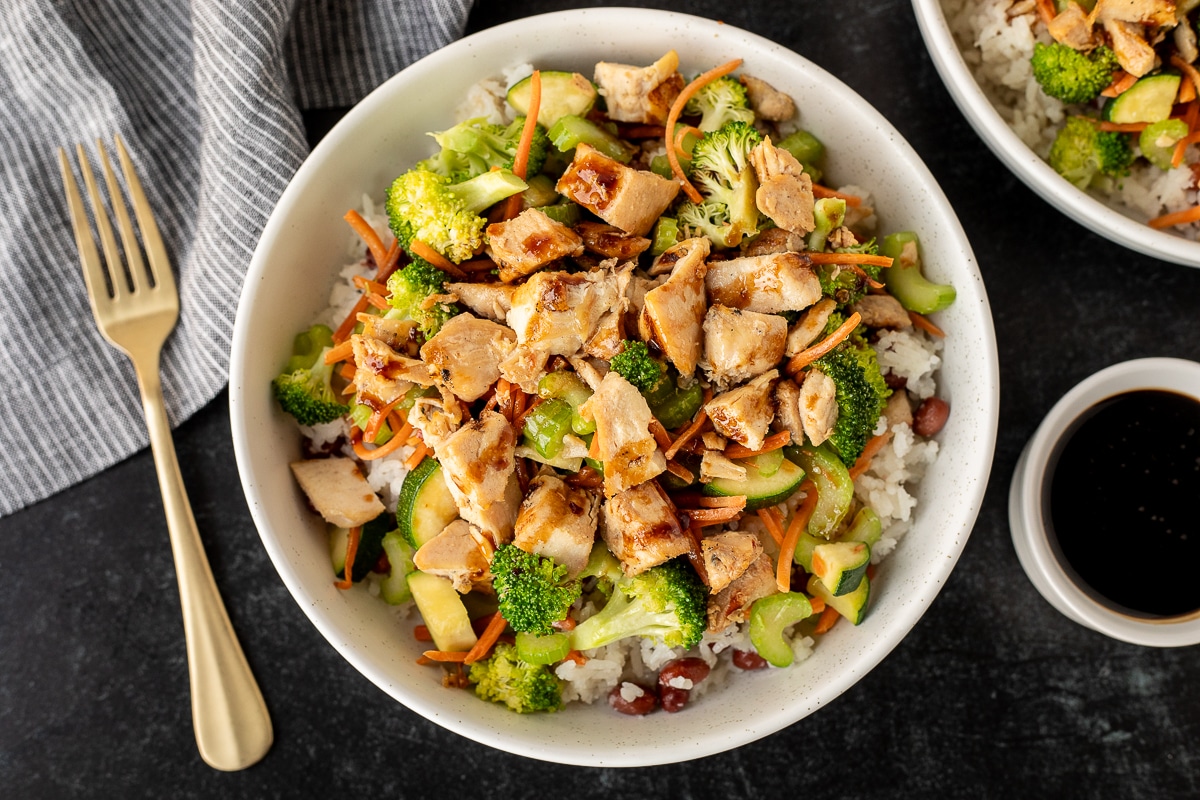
[[712, 516], [771, 443], [488, 639], [688, 433], [680, 471], [923, 322], [660, 433], [683, 131], [1046, 10], [1176, 218], [1181, 147], [339, 352], [1121, 81], [348, 371], [677, 110], [733, 501], [426, 252], [849, 258], [818, 605], [1190, 71], [521, 158], [389, 262], [351, 552], [519, 422], [578, 657], [806, 357], [368, 285], [787, 550], [520, 399], [417, 456], [478, 265], [377, 418], [770, 518], [1121, 127], [1187, 92], [873, 446], [368, 234], [594, 447], [421, 633], [564, 624], [827, 620], [445, 656], [392, 445], [825, 191], [344, 330], [378, 300]]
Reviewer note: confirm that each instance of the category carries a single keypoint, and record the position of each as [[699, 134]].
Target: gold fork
[[136, 307]]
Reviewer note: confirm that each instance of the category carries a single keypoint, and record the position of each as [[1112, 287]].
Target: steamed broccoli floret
[[1081, 152], [533, 591], [476, 146], [635, 365], [408, 289], [523, 687], [844, 285], [1072, 75], [303, 388], [722, 172], [723, 100], [862, 392], [666, 603], [427, 206]]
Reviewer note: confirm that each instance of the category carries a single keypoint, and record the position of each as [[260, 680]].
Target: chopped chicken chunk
[[713, 440], [626, 447], [1144, 12], [466, 354], [480, 471], [640, 94], [338, 491], [787, 409], [1072, 27], [882, 311], [638, 288], [810, 325], [628, 198], [842, 237], [490, 300], [395, 333], [818, 406], [529, 242], [436, 418], [767, 284], [672, 313], [558, 522], [768, 102], [384, 374], [775, 240], [727, 555], [460, 552], [732, 604], [744, 414], [785, 192], [741, 344], [715, 465], [898, 410], [1133, 53], [610, 241], [642, 530]]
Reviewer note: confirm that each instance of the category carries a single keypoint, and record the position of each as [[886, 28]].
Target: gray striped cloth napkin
[[207, 95]]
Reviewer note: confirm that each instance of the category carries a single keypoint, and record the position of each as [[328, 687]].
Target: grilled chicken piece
[[642, 530], [898, 410], [640, 94], [1134, 54], [466, 353], [741, 344], [626, 446], [842, 237], [727, 555], [1184, 37], [638, 288], [489, 300], [882, 311], [461, 552], [338, 491], [714, 465], [558, 521], [1157, 13], [810, 325], [395, 333], [436, 418], [480, 471], [631, 199], [768, 102], [785, 192], [775, 240], [767, 284], [744, 414], [787, 409], [672, 313], [818, 406], [732, 604], [383, 373], [562, 313], [528, 242], [610, 241], [1073, 28], [713, 440]]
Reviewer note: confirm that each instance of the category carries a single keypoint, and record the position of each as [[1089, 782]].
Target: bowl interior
[[295, 265], [1108, 219]]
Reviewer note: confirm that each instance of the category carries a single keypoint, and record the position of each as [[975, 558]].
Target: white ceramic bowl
[[294, 267], [1026, 515], [1113, 221]]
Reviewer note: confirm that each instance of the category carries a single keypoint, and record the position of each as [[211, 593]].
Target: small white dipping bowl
[[1115, 222], [304, 243], [1026, 511]]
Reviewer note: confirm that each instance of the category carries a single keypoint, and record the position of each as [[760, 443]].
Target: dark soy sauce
[[1124, 502]]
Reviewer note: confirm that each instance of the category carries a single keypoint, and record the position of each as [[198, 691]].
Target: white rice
[[997, 50]]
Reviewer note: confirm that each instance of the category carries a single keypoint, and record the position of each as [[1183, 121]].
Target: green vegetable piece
[[852, 606], [905, 280], [370, 547], [546, 425], [841, 565], [1082, 154], [548, 649], [866, 528], [409, 287], [307, 346], [394, 588], [443, 611], [1157, 141], [666, 603], [360, 414], [569, 387], [721, 171], [861, 390], [307, 394], [563, 93], [533, 591], [571, 131], [678, 406], [1151, 99], [477, 146], [767, 464], [835, 488], [541, 192], [666, 235], [720, 101], [566, 212], [635, 365], [770, 619], [1072, 76], [829, 213], [805, 147], [760, 490], [425, 506], [523, 687]]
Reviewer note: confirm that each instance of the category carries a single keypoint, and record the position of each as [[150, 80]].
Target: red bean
[[638, 706], [748, 660], [672, 699], [694, 669], [931, 416]]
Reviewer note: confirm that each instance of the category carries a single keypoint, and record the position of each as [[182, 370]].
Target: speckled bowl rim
[[1116, 224], [1027, 521], [297, 246]]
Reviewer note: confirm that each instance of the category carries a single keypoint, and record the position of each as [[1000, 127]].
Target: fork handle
[[233, 729]]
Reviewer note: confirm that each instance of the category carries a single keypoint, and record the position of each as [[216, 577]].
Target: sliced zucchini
[[394, 588], [841, 566], [1157, 141], [767, 464], [338, 539], [805, 544], [1149, 100], [852, 606], [425, 506], [370, 546], [835, 488], [760, 490], [443, 611], [563, 93]]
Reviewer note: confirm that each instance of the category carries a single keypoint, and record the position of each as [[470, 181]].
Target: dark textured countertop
[[992, 694]]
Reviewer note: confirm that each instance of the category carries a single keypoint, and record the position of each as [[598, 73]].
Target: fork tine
[[129, 242], [112, 256], [156, 253], [89, 256]]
